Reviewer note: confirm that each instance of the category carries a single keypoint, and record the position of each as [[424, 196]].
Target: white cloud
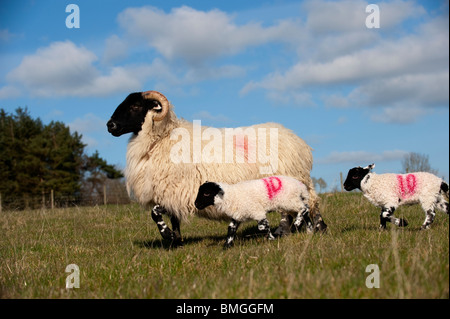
[[60, 66], [399, 114], [407, 70], [350, 15], [409, 89], [115, 49], [65, 69], [9, 92], [198, 36], [298, 99], [362, 157], [389, 58], [206, 116], [198, 74]]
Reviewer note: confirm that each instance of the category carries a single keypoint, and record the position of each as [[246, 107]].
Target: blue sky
[[356, 95]]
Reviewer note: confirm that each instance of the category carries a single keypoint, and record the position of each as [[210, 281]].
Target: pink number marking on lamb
[[272, 188], [409, 188]]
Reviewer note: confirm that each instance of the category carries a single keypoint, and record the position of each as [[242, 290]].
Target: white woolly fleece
[[251, 200], [152, 178], [393, 190]]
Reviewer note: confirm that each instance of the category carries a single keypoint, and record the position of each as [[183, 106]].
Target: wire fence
[[50, 200]]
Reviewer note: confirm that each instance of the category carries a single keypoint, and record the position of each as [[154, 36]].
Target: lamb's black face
[[354, 178], [206, 194], [130, 114]]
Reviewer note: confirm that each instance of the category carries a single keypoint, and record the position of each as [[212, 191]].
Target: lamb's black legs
[[166, 232], [232, 228], [387, 215], [263, 226], [303, 218], [285, 225], [428, 219]]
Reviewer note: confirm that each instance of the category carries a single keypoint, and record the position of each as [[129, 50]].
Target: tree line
[[36, 158]]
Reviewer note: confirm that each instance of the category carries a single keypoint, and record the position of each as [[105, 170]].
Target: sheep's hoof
[[281, 231], [167, 234], [402, 223], [320, 226], [425, 227], [228, 245], [177, 243]]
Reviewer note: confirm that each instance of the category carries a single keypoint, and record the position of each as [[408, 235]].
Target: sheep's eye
[[355, 177], [136, 107], [206, 194]]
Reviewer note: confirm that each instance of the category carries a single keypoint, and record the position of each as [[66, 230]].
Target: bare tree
[[319, 182], [416, 162]]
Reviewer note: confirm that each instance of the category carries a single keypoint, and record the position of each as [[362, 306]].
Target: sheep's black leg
[[303, 217], [318, 223], [177, 239], [383, 219], [263, 226], [285, 225], [232, 228], [165, 231], [387, 215], [428, 219]]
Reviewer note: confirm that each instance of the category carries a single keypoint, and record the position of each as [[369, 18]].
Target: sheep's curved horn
[[155, 95]]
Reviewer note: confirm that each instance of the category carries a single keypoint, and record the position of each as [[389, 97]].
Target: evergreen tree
[[37, 158]]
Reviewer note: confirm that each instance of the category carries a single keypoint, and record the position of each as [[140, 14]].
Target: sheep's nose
[[112, 126]]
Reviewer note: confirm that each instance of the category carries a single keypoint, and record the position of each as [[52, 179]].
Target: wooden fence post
[[342, 183], [104, 194]]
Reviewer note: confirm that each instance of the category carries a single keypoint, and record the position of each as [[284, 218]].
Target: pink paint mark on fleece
[[272, 188], [407, 187], [241, 143]]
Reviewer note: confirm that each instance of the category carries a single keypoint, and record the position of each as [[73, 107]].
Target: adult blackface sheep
[[252, 200], [169, 158], [389, 191]]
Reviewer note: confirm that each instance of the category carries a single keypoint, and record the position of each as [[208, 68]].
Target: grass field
[[120, 255]]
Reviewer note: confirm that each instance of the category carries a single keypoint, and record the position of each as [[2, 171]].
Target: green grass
[[120, 255]]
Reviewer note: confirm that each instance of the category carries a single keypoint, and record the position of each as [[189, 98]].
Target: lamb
[[389, 191], [164, 171], [252, 200]]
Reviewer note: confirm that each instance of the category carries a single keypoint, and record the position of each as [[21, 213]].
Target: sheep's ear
[[370, 167]]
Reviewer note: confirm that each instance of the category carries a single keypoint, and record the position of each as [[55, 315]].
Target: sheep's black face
[[130, 114], [354, 178], [206, 194]]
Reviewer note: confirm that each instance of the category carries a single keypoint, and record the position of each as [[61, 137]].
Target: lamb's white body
[[389, 191], [251, 200], [393, 190]]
